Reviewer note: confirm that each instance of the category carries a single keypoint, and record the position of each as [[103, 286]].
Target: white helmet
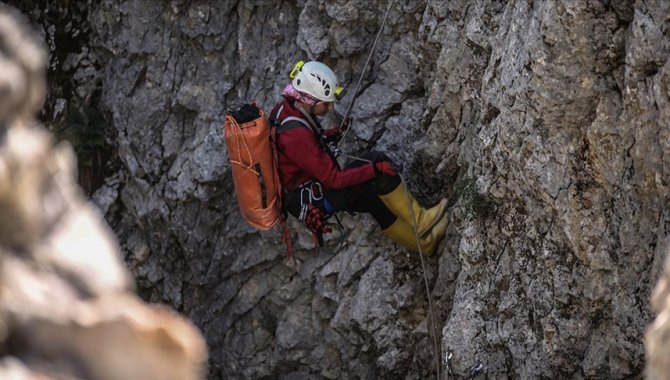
[[316, 79]]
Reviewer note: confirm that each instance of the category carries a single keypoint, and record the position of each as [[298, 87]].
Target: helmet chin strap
[[306, 108], [308, 113]]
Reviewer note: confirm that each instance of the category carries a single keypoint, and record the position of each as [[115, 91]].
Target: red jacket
[[302, 158]]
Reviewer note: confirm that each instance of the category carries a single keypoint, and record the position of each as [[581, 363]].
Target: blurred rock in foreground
[[66, 306], [657, 336]]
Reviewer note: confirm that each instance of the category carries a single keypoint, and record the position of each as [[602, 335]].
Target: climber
[[315, 187]]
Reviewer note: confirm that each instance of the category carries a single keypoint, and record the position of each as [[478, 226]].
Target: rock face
[[545, 123], [66, 307]]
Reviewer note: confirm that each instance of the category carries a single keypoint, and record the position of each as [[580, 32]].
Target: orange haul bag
[[247, 132]]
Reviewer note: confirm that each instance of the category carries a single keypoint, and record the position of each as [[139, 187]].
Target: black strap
[[288, 125]]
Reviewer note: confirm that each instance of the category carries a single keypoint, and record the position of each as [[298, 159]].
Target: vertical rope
[[360, 79], [433, 329], [431, 313], [436, 350]]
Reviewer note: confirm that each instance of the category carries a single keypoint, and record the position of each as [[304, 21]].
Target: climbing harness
[[308, 197], [315, 217]]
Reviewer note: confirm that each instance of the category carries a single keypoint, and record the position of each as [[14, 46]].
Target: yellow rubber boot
[[403, 234], [397, 202], [435, 235]]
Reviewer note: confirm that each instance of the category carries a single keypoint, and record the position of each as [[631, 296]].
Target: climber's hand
[[332, 134], [346, 125], [385, 168], [335, 133]]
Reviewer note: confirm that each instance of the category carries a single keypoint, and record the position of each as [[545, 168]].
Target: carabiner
[[317, 185]]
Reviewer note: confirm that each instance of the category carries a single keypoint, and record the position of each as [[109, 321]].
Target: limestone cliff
[[544, 122]]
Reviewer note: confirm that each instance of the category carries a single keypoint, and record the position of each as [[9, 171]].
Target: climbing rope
[[360, 79], [433, 329], [431, 312]]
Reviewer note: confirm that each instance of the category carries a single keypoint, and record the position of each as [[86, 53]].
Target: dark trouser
[[359, 198]]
